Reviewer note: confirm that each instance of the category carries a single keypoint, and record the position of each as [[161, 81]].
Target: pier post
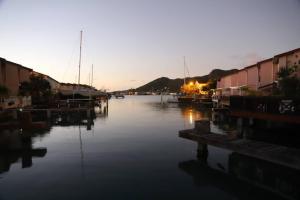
[[268, 124], [202, 126], [251, 121], [89, 124], [15, 114], [239, 126], [214, 116], [202, 152], [48, 113], [222, 117], [88, 113]]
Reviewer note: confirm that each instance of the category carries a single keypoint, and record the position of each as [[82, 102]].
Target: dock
[[281, 155]]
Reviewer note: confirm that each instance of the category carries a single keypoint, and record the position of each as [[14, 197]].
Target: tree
[[212, 84], [38, 88], [288, 82]]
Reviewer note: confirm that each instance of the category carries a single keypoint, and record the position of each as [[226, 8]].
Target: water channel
[[133, 152]]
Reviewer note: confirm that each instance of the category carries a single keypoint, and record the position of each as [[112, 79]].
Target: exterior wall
[[220, 83], [234, 80], [242, 77], [2, 72], [294, 60], [12, 75], [252, 77], [265, 73], [15, 102], [282, 62], [287, 60], [227, 81]]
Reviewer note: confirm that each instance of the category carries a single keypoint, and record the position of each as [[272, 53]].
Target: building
[[260, 77], [287, 59], [54, 84], [12, 74]]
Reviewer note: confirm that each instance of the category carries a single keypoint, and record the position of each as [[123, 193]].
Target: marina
[[118, 150], [150, 100]]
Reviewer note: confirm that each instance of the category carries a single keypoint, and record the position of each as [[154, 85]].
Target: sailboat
[[81, 92], [185, 98]]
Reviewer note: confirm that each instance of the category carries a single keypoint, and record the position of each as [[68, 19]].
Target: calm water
[[133, 152]]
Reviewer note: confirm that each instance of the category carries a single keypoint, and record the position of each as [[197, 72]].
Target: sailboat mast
[[184, 70], [79, 58], [92, 75]]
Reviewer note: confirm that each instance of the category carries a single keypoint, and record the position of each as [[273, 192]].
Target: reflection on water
[[16, 145], [190, 114], [130, 151], [253, 178]]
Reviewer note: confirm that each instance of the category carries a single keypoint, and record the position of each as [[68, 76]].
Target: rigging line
[[79, 65], [69, 61], [87, 79], [187, 70]]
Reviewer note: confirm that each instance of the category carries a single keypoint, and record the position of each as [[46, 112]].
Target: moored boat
[[185, 99]]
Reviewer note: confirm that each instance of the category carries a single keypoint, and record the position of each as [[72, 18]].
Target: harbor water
[[133, 152]]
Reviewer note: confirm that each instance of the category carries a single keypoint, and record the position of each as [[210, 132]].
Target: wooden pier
[[281, 155]]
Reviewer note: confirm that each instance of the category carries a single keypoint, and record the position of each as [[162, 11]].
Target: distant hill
[[174, 84]]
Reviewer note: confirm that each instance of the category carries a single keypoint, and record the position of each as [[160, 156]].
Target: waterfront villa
[[11, 76], [261, 77]]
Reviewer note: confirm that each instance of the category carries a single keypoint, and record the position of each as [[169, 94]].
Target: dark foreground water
[[133, 152]]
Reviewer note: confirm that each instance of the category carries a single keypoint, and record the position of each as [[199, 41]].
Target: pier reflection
[[245, 177], [16, 146], [79, 118]]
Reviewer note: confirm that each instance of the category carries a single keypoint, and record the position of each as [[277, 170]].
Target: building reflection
[[246, 177], [16, 144], [82, 119]]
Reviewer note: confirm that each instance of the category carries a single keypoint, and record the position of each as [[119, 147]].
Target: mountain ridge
[[173, 85]]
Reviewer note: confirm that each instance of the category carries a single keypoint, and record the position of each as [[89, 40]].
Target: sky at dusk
[[132, 42]]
